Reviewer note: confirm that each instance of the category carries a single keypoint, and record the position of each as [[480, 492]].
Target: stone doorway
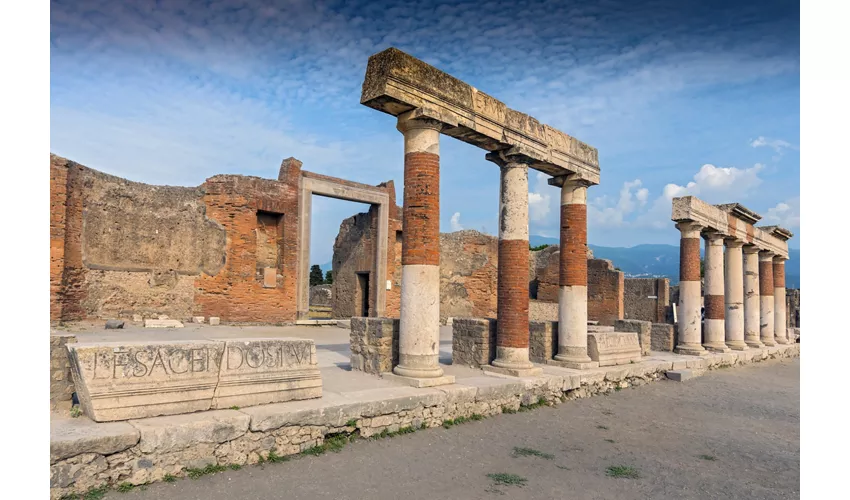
[[363, 293]]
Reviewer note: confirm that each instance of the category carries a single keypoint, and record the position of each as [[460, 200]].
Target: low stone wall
[[61, 379], [374, 344], [543, 341], [321, 295], [642, 328], [662, 337], [84, 455], [473, 341]]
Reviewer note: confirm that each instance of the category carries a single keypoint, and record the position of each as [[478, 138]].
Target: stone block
[[543, 341], [642, 328], [75, 436], [662, 337], [137, 318], [120, 381], [419, 382], [680, 375], [473, 341], [613, 348], [163, 323], [177, 432], [197, 319], [374, 344], [215, 320], [261, 371], [114, 324], [61, 379]]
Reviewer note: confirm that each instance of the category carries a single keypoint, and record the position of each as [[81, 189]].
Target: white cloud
[[724, 184], [785, 214], [539, 203], [601, 213], [776, 144], [455, 222]]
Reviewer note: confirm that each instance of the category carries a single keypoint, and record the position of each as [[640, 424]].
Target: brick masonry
[[473, 341], [605, 292], [715, 307], [421, 222], [512, 330], [689, 259], [778, 274], [374, 344], [765, 278], [573, 246]]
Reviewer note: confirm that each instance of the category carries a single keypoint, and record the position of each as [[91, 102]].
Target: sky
[[679, 96]]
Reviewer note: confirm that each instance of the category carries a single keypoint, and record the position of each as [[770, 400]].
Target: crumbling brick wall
[[604, 292], [646, 299]]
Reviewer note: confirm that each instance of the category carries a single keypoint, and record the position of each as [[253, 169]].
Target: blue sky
[[680, 97]]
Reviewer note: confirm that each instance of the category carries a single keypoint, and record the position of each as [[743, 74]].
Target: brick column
[[780, 329], [766, 298], [752, 304], [714, 326], [512, 297], [690, 325], [419, 328], [734, 293], [572, 294]]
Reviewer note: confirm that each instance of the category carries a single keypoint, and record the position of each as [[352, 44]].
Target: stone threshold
[[85, 454]]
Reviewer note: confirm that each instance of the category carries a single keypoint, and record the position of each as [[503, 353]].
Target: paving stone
[[680, 375], [163, 323], [178, 432], [75, 436]]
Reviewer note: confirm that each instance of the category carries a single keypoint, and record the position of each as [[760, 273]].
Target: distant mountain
[[661, 260]]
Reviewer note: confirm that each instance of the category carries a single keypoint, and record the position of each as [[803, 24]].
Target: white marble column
[[780, 326], [690, 325], [767, 334], [714, 325], [752, 303], [734, 294]]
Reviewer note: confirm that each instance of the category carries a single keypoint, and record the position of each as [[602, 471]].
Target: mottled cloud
[[455, 222]]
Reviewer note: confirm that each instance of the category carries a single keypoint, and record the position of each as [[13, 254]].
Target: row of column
[[744, 296]]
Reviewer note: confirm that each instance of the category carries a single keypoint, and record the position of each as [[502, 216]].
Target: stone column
[[419, 327], [714, 328], [572, 294], [766, 298], [690, 326], [780, 327], [734, 293], [512, 295], [752, 304]]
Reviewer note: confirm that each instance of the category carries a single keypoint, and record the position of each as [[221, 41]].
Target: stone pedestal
[[572, 294], [374, 344], [419, 327], [690, 324], [752, 302], [767, 334], [734, 294]]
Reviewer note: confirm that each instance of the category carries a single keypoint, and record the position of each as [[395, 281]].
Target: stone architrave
[[121, 381], [613, 348]]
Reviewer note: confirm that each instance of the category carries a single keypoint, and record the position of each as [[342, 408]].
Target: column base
[[406, 371], [737, 345], [420, 381], [754, 344], [716, 347], [690, 350], [781, 340], [768, 343], [574, 364], [533, 371]]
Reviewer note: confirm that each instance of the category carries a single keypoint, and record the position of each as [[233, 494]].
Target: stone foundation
[[473, 341], [643, 330], [85, 455], [61, 380], [543, 341], [374, 344], [662, 337]]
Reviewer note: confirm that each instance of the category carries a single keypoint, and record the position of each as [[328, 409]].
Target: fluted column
[[572, 294], [780, 327], [766, 298], [734, 294], [690, 325], [512, 288], [752, 302], [419, 328]]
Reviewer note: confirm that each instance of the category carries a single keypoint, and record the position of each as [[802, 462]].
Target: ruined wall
[[604, 292], [469, 263], [792, 307], [646, 299]]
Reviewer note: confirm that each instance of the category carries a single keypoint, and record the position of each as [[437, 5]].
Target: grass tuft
[[531, 452], [195, 473], [508, 479], [622, 471], [351, 423], [169, 478], [708, 457], [76, 411], [124, 487], [610, 440], [602, 427]]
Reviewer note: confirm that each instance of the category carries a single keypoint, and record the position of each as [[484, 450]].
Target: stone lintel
[[740, 211], [779, 232], [711, 217], [397, 83]]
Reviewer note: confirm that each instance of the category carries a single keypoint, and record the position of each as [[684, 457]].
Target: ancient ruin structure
[[428, 102], [744, 294]]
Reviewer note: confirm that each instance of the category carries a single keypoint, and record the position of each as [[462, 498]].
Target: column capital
[[569, 180], [733, 243], [751, 249], [713, 237], [506, 159], [766, 256], [408, 121], [779, 259], [689, 229]]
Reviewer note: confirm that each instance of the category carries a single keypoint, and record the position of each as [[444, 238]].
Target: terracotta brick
[[421, 222], [689, 259], [766, 278], [573, 245], [778, 274], [715, 307], [512, 325], [732, 221], [751, 232], [605, 292]]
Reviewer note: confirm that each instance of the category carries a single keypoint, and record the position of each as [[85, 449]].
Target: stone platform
[[85, 454]]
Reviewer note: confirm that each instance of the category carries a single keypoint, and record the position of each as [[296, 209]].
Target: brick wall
[[604, 292], [646, 299], [58, 198]]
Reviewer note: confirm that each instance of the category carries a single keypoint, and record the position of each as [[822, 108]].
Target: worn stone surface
[[642, 328], [543, 341], [70, 437], [647, 299], [473, 341], [374, 344], [61, 378], [163, 323], [215, 320], [178, 432], [662, 337], [681, 375], [613, 348], [114, 324], [321, 295]]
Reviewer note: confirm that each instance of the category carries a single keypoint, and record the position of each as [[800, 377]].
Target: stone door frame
[[314, 184]]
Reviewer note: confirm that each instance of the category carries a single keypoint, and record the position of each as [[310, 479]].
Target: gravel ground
[[733, 433]]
